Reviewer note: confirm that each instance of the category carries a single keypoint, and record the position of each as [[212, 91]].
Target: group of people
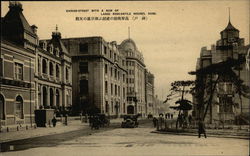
[[182, 121]]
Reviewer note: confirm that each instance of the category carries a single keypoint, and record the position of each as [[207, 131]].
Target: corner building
[[17, 68], [135, 77], [99, 75]]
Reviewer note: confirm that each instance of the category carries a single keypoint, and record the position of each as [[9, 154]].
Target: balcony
[[45, 76]]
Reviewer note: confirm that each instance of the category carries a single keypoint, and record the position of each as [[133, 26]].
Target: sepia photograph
[[125, 78]]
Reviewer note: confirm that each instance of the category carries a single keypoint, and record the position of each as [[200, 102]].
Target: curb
[[208, 135]]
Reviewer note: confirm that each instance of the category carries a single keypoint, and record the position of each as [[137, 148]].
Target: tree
[[184, 105], [219, 72]]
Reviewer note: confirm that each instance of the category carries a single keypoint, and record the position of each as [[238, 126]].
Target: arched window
[[45, 96], [67, 73], [2, 115], [44, 64], [38, 65], [57, 98], [19, 107], [51, 97], [51, 69], [57, 71]]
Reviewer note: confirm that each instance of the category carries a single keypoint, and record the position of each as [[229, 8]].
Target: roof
[[57, 43], [16, 17], [230, 27]]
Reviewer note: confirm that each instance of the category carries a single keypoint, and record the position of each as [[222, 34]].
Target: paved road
[[120, 142]]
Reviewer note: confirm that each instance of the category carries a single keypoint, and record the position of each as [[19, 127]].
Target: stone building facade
[[17, 63], [99, 75], [53, 74], [136, 96], [226, 104], [150, 102], [33, 74]]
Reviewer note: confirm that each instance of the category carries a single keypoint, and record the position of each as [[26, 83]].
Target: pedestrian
[[54, 121], [190, 120], [201, 128], [154, 121]]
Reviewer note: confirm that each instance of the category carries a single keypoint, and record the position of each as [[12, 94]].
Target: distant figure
[[190, 119], [201, 128], [54, 121], [172, 116], [154, 121]]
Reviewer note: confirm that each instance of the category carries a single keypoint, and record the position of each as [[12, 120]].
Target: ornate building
[[17, 63], [136, 77], [226, 102], [53, 74], [31, 76]]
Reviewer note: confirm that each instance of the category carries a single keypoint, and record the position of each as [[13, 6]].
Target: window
[[111, 88], [84, 87], [57, 71], [2, 116], [119, 92], [118, 75], [115, 56], [18, 71], [106, 87], [105, 50], [44, 64], [67, 73], [115, 89], [19, 107], [111, 71], [123, 77], [123, 92], [106, 107], [106, 69], [51, 69], [83, 67], [38, 65], [1, 67], [83, 48]]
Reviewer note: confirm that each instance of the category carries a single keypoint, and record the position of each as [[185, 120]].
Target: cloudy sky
[[170, 41]]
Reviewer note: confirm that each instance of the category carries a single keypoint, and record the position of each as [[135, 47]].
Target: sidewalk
[[73, 125], [42, 131], [224, 133]]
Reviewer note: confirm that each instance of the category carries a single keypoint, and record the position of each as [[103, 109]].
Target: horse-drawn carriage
[[130, 121]]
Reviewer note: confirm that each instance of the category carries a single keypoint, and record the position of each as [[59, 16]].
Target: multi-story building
[[135, 78], [53, 74], [150, 103], [17, 64], [32, 76], [99, 75], [226, 102]]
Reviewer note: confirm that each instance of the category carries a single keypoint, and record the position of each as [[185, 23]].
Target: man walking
[[201, 128]]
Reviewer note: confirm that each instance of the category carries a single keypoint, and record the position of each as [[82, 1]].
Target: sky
[[170, 41]]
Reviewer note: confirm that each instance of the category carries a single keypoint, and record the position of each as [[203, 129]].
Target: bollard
[[17, 128], [27, 127], [7, 129]]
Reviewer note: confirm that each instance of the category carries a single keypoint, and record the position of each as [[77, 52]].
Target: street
[[124, 141]]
